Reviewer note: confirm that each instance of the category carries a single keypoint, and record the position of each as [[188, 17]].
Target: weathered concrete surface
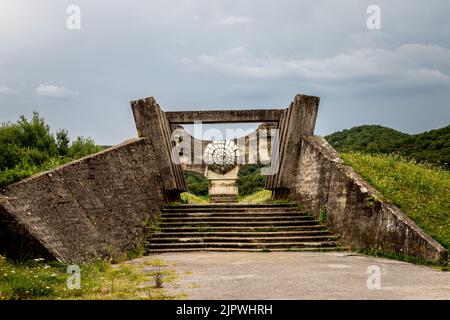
[[355, 210], [297, 121], [93, 207], [151, 122], [15, 239], [295, 275], [224, 116]]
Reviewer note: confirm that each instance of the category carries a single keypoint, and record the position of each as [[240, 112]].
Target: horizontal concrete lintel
[[224, 116]]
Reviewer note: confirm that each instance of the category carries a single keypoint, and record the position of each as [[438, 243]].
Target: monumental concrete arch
[[305, 168], [253, 148], [99, 206], [293, 123]]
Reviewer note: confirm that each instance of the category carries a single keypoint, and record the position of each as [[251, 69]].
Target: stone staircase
[[239, 227], [223, 198]]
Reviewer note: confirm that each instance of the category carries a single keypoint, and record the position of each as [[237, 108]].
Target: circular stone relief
[[220, 156]]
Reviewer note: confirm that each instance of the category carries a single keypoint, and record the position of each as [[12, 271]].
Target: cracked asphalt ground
[[302, 275]]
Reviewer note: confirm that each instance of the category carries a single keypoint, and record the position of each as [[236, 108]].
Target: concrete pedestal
[[223, 186]]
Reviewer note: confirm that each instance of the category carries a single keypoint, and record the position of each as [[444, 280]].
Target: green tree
[[82, 147], [196, 183], [28, 146], [36, 134], [62, 141], [250, 179]]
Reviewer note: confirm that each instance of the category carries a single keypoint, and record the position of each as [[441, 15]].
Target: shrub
[[82, 147], [196, 183], [199, 189], [250, 180]]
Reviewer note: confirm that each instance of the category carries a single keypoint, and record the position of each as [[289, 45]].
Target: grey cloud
[[7, 91], [413, 64], [200, 54], [52, 91], [233, 20]]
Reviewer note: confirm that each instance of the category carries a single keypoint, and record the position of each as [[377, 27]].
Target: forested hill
[[431, 146]]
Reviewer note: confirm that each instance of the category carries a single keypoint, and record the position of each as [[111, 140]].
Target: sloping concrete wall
[[91, 208], [355, 210]]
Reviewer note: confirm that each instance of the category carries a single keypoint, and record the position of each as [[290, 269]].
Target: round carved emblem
[[220, 156]]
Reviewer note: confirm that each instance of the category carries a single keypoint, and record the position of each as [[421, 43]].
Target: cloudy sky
[[214, 54]]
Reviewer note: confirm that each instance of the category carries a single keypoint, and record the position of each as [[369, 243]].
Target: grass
[[401, 257], [323, 216], [39, 280], [189, 198], [421, 191], [263, 196], [154, 226], [257, 197]]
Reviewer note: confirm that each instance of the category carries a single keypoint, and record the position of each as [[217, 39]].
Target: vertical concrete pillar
[[297, 121], [152, 123]]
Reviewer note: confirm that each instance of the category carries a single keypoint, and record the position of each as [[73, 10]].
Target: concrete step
[[326, 249], [234, 205], [243, 245], [213, 219], [232, 210], [240, 228], [237, 227], [231, 234], [232, 214], [223, 199], [255, 224], [271, 239]]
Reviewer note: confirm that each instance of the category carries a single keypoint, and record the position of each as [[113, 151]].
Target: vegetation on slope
[[421, 191], [196, 183], [250, 179], [262, 196], [28, 147], [431, 146], [189, 198]]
